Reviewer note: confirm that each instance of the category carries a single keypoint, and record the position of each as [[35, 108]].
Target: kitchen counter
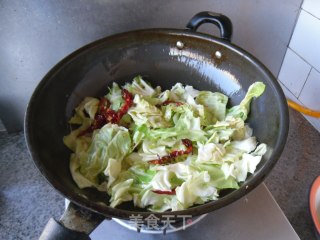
[[27, 201]]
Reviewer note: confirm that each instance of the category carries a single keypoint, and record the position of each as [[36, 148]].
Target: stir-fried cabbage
[[169, 151]]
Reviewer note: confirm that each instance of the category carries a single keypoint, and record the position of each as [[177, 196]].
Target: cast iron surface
[[153, 54]]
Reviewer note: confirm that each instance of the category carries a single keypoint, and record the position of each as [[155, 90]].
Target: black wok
[[163, 57]]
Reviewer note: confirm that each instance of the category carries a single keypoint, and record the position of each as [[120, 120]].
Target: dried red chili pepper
[[128, 101], [172, 192], [165, 103], [174, 154], [105, 114]]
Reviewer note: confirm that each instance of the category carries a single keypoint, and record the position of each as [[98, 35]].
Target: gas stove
[[255, 216]]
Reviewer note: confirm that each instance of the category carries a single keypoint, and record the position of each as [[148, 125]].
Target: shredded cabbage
[[169, 151]]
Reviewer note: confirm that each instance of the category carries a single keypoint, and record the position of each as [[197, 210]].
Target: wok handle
[[76, 223], [54, 230], [221, 21]]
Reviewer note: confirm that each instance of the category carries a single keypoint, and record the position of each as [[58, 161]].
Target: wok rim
[[195, 210]]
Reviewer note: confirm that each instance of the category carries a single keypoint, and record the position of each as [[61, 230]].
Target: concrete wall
[[37, 34]]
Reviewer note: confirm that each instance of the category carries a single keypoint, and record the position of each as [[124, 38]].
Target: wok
[[163, 57]]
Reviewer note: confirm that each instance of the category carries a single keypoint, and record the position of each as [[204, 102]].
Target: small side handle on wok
[[76, 223], [221, 21]]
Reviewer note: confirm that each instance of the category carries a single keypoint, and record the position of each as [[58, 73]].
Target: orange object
[[302, 109], [314, 203]]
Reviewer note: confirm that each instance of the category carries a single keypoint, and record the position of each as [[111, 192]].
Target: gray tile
[[310, 96], [294, 72], [287, 93], [310, 92], [315, 122], [306, 39], [312, 6]]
